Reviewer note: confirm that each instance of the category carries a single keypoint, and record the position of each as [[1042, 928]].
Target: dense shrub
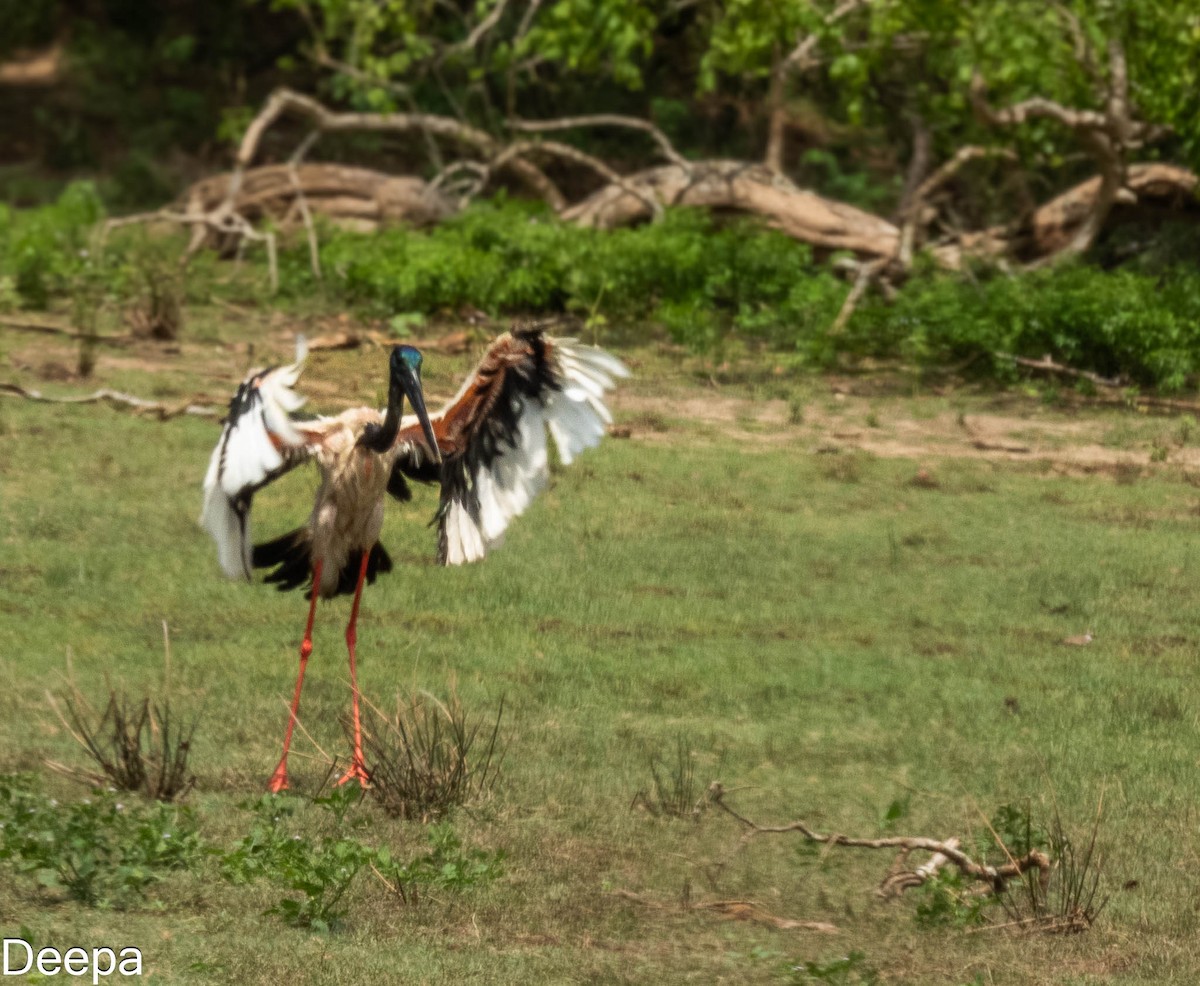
[[1121, 322], [698, 277]]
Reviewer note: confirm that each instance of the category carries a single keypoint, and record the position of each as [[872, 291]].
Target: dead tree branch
[[997, 877], [139, 405], [1109, 135], [799, 60], [288, 101], [1047, 365], [915, 204], [605, 120], [569, 153]]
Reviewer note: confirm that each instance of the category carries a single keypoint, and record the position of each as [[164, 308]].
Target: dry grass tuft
[[138, 745], [429, 756]]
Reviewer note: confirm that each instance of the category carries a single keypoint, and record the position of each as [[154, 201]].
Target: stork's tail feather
[[378, 561], [291, 557]]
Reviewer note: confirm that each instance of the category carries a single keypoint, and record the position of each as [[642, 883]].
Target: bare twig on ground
[[731, 910], [45, 328], [995, 876], [1047, 365], [139, 405]]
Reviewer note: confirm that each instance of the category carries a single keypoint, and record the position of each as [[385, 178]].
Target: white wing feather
[[259, 442], [575, 416]]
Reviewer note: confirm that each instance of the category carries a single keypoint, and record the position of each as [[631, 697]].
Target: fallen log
[[1054, 224], [358, 195], [744, 187]]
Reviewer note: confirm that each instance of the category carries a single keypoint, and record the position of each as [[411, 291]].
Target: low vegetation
[[712, 286]]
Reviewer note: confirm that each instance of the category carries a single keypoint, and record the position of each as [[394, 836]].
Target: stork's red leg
[[279, 779], [358, 767]]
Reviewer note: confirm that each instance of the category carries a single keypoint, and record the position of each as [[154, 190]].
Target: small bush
[[138, 745], [431, 756], [445, 867], [674, 791]]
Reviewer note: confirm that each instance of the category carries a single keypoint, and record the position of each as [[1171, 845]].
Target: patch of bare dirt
[[1059, 442]]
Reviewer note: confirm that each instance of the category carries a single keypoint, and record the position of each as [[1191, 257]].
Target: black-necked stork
[[487, 448]]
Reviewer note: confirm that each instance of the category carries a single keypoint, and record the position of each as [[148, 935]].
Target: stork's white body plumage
[[487, 448]]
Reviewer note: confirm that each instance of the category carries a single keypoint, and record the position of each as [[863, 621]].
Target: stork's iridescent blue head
[[407, 356], [405, 381]]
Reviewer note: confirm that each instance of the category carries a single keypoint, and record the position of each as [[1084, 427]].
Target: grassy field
[[835, 605]]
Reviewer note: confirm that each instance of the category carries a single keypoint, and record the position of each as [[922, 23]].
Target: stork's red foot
[[357, 772], [279, 779]]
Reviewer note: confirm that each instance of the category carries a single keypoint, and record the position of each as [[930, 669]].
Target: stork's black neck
[[380, 438]]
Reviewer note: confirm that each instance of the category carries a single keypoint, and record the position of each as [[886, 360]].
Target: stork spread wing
[[492, 434], [259, 443]]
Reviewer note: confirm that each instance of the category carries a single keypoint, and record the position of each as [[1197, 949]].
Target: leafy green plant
[[447, 866], [845, 970], [99, 851], [947, 900], [322, 870], [41, 249]]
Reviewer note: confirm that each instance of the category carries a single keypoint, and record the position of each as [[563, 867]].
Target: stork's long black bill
[[411, 383]]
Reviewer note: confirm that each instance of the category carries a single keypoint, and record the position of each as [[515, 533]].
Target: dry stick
[[328, 759], [219, 220], [799, 59], [912, 210], [314, 254], [283, 101], [473, 187], [570, 153], [510, 76], [745, 910], [325, 60], [605, 120], [1048, 365], [866, 274], [468, 43], [58, 330], [997, 876], [139, 404]]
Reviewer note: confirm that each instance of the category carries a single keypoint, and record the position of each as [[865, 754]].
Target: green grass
[[827, 638]]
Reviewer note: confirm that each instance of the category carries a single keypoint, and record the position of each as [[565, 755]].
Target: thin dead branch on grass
[[1047, 365], [997, 877], [46, 328], [139, 405], [729, 910]]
